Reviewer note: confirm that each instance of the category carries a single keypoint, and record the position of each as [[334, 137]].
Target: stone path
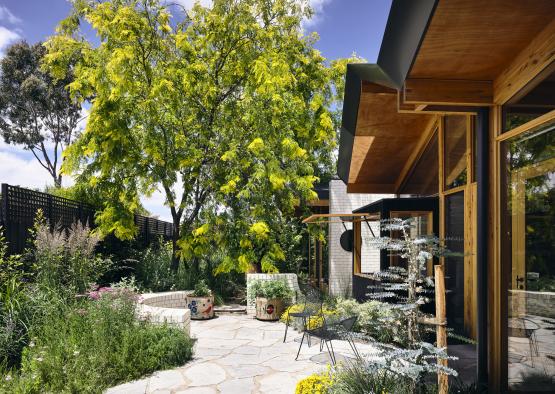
[[238, 354]]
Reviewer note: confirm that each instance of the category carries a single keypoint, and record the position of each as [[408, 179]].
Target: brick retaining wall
[[170, 308], [291, 280]]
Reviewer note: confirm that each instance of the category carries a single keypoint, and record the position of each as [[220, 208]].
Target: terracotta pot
[[202, 308], [269, 309]]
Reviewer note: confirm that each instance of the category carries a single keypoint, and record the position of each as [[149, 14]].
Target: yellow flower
[[260, 229], [314, 384], [256, 145], [201, 230]]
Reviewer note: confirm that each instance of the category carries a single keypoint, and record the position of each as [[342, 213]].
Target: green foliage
[[12, 326], [201, 289], [153, 273], [355, 378], [91, 345], [153, 270], [377, 320], [66, 259], [87, 194], [225, 109], [35, 109], [269, 289]]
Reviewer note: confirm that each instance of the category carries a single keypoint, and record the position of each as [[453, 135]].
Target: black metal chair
[[312, 303], [331, 329]]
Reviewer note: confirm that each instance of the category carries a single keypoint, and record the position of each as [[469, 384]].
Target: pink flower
[[95, 295]]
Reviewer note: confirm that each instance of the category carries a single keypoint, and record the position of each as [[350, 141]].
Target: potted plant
[[201, 302], [270, 297]]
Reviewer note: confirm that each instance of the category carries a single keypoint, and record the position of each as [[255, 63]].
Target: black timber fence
[[19, 206]]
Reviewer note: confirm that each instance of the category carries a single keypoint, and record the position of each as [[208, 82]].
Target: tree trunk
[[175, 238], [57, 180]]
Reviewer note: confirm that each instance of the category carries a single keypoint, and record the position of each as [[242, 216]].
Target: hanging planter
[[269, 297], [201, 302]]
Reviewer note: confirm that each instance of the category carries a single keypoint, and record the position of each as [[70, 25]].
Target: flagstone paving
[[238, 354]]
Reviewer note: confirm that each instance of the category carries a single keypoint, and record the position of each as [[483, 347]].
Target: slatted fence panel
[[19, 206]]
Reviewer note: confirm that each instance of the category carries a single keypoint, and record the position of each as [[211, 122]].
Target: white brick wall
[[340, 261], [169, 308]]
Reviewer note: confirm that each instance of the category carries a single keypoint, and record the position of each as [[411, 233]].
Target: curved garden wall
[[169, 307]]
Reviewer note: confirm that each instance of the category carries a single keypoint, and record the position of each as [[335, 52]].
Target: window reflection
[[455, 151], [530, 105], [529, 251], [422, 181]]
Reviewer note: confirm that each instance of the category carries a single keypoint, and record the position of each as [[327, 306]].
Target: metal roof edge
[[356, 74], [406, 26]]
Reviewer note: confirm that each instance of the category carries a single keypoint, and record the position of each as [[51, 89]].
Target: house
[[460, 108]]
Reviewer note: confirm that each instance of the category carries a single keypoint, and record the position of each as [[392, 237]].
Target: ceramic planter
[[202, 308], [269, 309]]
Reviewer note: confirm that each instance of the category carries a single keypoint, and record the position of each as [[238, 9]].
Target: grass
[[92, 345]]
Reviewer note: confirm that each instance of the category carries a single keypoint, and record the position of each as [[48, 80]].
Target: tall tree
[[36, 110], [224, 108]]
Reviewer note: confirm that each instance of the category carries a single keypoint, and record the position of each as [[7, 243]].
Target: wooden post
[[441, 330]]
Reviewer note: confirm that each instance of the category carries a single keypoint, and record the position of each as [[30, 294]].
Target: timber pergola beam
[[433, 109], [427, 91]]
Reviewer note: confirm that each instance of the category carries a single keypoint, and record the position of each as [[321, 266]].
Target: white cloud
[[16, 170], [6, 15], [316, 5], [188, 4], [318, 15], [7, 37], [155, 205]]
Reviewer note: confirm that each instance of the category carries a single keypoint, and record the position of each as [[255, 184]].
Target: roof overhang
[[376, 139], [437, 57]]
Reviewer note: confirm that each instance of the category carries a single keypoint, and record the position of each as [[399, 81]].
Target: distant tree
[[36, 110], [226, 109]]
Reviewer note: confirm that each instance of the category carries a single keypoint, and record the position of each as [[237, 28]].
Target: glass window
[[455, 151], [532, 103], [422, 225], [366, 258], [528, 249], [370, 257], [454, 265], [423, 180]]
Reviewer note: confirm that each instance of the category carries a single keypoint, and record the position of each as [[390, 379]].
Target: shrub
[[201, 289], [93, 345], [153, 270], [314, 384], [356, 378], [269, 289], [378, 320], [66, 259]]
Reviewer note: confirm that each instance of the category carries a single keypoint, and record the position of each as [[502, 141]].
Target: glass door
[[528, 251]]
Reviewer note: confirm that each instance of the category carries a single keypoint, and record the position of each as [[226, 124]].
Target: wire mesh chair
[[312, 303], [522, 327], [340, 329]]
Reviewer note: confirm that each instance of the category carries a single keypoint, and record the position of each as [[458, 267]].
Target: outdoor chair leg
[[302, 339], [286, 327], [321, 344], [330, 352], [355, 350], [306, 324]]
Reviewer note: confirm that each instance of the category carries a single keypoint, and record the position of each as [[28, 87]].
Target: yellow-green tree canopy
[[226, 109]]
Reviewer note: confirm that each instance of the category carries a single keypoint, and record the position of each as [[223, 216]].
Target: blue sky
[[344, 26]]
